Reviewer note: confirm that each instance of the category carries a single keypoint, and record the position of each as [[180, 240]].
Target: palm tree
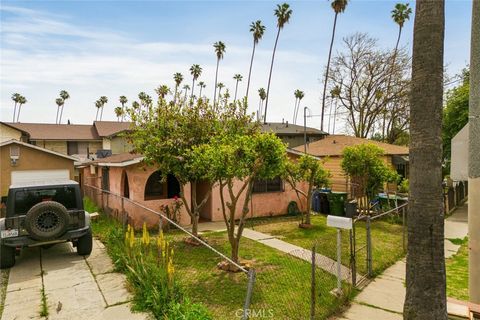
[[400, 14], [425, 282], [123, 100], [298, 97], [118, 112], [64, 95], [98, 105], [15, 98], [103, 100], [59, 102], [338, 6], [195, 71], [283, 13], [202, 85], [178, 78], [162, 91], [257, 29], [21, 101], [238, 77], [263, 95], [220, 86], [186, 88], [219, 51]]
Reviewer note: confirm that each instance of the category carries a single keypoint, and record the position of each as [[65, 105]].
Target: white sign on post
[[339, 222]]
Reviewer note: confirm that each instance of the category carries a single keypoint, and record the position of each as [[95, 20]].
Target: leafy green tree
[[455, 115], [166, 135], [283, 14], [64, 95], [364, 165], [338, 6], [240, 157], [219, 47], [162, 91], [307, 170], [257, 30]]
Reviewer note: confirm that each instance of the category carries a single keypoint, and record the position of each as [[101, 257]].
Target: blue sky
[[113, 48]]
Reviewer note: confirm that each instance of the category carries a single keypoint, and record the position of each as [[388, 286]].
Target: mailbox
[[339, 222]]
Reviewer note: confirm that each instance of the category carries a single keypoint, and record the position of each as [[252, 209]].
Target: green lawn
[[386, 239], [282, 287], [457, 272]]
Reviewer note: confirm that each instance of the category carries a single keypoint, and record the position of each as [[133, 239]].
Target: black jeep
[[43, 214]]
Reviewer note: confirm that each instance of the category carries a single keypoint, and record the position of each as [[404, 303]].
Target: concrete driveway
[[69, 285]]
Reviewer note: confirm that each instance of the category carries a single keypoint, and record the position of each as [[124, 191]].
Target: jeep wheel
[[84, 244], [46, 220], [7, 257]]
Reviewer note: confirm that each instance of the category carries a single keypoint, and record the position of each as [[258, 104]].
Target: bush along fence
[[455, 195], [296, 284]]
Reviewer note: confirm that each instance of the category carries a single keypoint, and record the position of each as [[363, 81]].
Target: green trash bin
[[337, 202]]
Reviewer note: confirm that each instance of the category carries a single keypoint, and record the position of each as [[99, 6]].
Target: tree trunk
[[61, 114], [474, 159], [216, 77], [101, 114], [270, 75], [250, 70], [327, 71], [426, 285], [191, 93], [236, 88], [19, 109], [15, 111], [96, 116]]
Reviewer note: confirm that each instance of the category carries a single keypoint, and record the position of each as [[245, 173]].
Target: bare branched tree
[[361, 72]]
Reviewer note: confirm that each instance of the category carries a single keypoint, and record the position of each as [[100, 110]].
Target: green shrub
[[89, 205], [404, 186], [149, 267]]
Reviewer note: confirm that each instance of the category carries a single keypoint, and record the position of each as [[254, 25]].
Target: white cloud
[[42, 54]]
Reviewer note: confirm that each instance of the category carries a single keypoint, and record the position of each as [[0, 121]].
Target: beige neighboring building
[[111, 133], [331, 149], [22, 161]]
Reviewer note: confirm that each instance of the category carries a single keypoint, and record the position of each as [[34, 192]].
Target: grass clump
[[457, 272], [149, 266]]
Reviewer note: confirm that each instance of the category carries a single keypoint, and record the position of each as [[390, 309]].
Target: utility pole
[[474, 159]]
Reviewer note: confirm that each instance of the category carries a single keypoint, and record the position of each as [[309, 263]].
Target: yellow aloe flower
[[132, 238]]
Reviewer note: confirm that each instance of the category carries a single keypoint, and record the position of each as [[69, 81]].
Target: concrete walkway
[[75, 287], [383, 298]]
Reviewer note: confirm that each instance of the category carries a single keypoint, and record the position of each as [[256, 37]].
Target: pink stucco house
[[126, 175]]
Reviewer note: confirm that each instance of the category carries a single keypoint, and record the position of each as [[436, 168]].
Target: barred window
[[270, 185]]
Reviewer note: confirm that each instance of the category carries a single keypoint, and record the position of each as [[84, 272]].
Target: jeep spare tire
[[46, 220]]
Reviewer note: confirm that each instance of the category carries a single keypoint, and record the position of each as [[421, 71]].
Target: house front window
[[270, 185], [155, 188]]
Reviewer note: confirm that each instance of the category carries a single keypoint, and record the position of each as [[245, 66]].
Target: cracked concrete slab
[[72, 289]]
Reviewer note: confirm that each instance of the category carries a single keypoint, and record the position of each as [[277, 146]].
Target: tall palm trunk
[[250, 69], [270, 75], [56, 118], [61, 113], [96, 116], [175, 94], [324, 95], [216, 77], [193, 89], [19, 109], [236, 88], [200, 94], [389, 82], [295, 111], [101, 114], [425, 282], [14, 112]]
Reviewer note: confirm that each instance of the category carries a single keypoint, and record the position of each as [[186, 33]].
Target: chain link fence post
[[369, 247], [312, 299], [248, 298]]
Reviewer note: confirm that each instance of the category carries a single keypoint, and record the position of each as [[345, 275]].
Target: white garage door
[[28, 176]]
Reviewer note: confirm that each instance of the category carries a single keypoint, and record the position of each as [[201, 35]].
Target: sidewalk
[[383, 298], [75, 287]]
